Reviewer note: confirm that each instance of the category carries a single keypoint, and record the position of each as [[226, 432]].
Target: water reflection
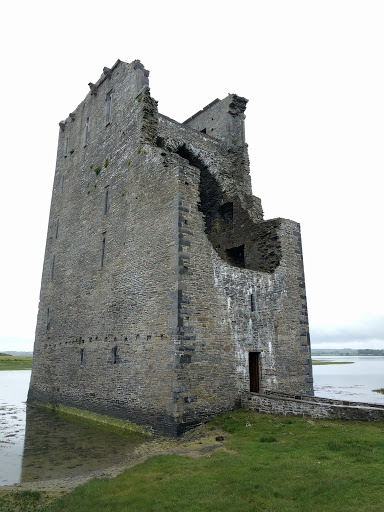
[[13, 393], [56, 448], [36, 444]]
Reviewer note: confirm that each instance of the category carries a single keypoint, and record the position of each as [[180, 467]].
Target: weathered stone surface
[[160, 275], [315, 407]]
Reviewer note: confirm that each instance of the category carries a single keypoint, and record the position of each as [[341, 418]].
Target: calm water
[[13, 393], [353, 382], [36, 444]]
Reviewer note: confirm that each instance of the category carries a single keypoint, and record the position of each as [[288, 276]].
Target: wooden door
[[254, 372]]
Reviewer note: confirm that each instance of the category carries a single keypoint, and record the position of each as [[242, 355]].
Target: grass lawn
[[266, 463], [8, 362]]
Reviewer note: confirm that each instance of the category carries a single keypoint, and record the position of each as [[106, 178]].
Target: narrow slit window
[[86, 131], [103, 251], [57, 228], [82, 356], [106, 200], [62, 183], [48, 320], [52, 267], [253, 302], [114, 355], [66, 146], [108, 112]]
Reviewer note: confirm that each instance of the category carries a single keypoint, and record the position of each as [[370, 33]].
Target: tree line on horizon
[[347, 352]]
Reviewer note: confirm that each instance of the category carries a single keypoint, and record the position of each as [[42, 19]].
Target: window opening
[[114, 354], [226, 213], [82, 356], [253, 302], [108, 114], [235, 256], [52, 267], [86, 131], [106, 200], [204, 130], [103, 250], [48, 321], [62, 183], [57, 228]]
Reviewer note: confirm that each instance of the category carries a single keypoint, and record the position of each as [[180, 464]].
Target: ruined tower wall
[[205, 384], [161, 278], [226, 311], [223, 120], [220, 327], [107, 293], [276, 324], [228, 166]]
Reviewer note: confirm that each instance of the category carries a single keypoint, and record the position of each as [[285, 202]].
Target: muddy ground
[[195, 443]]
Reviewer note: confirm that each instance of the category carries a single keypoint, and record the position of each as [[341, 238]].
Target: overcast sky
[[314, 76]]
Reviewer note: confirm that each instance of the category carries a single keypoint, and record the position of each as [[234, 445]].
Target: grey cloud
[[369, 328]]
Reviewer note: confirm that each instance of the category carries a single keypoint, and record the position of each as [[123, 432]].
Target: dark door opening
[[254, 372]]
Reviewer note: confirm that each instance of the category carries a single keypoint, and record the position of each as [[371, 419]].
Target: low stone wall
[[319, 399], [315, 407]]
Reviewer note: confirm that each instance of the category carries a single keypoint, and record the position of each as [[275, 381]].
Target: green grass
[[381, 390], [25, 501], [266, 463], [8, 362], [332, 362]]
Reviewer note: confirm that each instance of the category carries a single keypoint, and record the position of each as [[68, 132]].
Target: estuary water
[[13, 393], [39, 445], [353, 382]]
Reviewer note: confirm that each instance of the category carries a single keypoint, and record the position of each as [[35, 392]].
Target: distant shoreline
[[346, 352], [319, 362], [9, 362], [16, 353]]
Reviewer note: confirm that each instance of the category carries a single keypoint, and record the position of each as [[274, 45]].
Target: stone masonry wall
[[223, 120], [105, 346], [278, 325], [315, 408], [160, 275]]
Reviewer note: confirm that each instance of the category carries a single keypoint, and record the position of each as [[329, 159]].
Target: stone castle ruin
[[165, 296]]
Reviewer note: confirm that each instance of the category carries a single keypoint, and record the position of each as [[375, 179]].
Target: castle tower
[[164, 293]]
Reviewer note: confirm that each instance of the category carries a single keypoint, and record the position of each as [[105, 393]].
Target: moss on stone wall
[[101, 421]]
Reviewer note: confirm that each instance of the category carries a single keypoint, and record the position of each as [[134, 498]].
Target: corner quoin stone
[[164, 293]]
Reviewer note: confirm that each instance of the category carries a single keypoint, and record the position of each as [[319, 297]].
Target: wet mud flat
[[60, 454]]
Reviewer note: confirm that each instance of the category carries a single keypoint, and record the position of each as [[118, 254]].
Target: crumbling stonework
[[164, 294]]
